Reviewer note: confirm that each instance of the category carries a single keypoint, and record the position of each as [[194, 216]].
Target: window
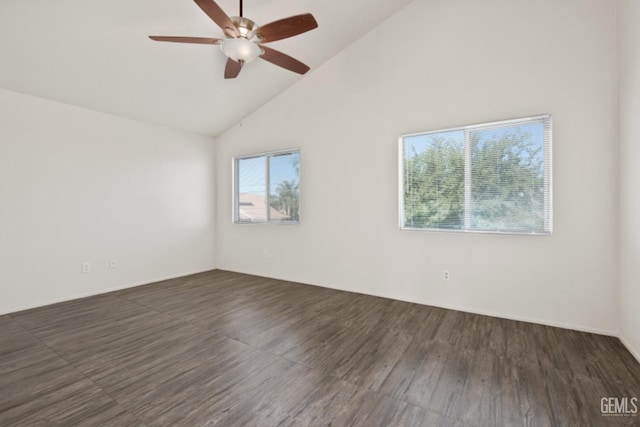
[[267, 188], [493, 177]]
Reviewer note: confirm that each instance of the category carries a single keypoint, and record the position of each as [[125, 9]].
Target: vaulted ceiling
[[96, 54]]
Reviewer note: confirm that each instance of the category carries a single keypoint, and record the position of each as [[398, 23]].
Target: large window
[[267, 187], [493, 177]]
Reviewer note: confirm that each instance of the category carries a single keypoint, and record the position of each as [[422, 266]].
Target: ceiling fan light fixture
[[241, 49], [240, 32]]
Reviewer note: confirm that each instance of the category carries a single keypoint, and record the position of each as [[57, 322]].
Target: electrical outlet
[[265, 253], [86, 267], [445, 275], [113, 264]]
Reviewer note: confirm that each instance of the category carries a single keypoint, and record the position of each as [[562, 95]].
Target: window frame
[[235, 170], [548, 176]]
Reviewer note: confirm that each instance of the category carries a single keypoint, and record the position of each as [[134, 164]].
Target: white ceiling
[[96, 54]]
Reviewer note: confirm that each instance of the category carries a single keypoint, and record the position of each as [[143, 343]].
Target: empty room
[[313, 213]]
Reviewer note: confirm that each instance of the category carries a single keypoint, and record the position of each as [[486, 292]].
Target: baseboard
[[526, 319], [507, 316], [633, 351], [98, 292]]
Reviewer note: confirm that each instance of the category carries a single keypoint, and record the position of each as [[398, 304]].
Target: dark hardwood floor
[[227, 349]]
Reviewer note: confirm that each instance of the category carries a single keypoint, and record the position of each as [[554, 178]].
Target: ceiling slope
[[96, 54]]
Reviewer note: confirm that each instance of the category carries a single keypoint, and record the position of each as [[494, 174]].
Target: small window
[[267, 188], [492, 177]]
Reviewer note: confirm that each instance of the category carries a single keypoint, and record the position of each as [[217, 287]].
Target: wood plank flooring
[[228, 349]]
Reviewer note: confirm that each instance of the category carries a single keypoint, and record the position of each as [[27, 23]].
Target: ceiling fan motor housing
[[242, 48], [246, 27]]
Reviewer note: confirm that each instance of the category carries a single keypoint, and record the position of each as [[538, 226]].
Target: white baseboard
[[507, 316], [633, 351], [97, 292], [526, 319]]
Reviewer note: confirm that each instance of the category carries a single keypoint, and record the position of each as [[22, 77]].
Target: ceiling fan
[[244, 39]]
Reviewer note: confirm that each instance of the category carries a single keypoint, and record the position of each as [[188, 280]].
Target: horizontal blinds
[[489, 177]]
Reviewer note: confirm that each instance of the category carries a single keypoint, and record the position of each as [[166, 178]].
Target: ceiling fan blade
[[287, 27], [197, 40], [218, 16], [232, 69], [283, 60]]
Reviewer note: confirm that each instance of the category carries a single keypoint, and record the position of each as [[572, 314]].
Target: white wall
[[629, 98], [433, 65], [79, 186]]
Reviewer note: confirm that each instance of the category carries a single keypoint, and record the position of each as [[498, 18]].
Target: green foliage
[[434, 185], [287, 200], [507, 183]]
